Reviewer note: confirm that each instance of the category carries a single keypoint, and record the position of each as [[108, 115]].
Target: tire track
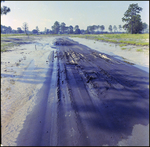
[[68, 117], [49, 135], [89, 93]]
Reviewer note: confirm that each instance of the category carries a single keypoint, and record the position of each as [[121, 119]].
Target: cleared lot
[[72, 95]]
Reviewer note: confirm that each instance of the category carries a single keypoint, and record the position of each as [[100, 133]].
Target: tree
[[94, 27], [4, 9], [34, 31], [97, 28], [114, 28], [19, 30], [120, 27], [45, 30], [102, 28], [70, 30], [37, 29], [110, 28], [87, 32], [145, 27], [76, 27], [55, 27], [9, 29], [3, 29], [14, 31], [133, 19], [25, 27], [82, 31], [77, 30], [91, 29], [66, 30], [62, 27]]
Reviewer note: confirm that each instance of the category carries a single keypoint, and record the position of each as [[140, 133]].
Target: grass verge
[[133, 39], [9, 41]]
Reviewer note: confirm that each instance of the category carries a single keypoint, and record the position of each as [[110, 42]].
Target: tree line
[[132, 18], [59, 28]]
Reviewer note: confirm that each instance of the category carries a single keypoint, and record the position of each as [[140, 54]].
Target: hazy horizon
[[83, 13]]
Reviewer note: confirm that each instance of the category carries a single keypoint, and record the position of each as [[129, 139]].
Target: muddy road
[[87, 98]]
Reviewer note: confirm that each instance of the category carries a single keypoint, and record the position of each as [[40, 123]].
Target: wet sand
[[128, 54], [72, 95]]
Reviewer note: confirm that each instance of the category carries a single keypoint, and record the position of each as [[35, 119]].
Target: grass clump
[[121, 45], [8, 41], [5, 46], [114, 41], [123, 48], [139, 50], [143, 43]]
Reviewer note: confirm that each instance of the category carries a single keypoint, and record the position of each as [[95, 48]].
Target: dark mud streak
[[74, 95], [66, 106]]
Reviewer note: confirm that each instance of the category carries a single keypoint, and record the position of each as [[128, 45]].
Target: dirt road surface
[[73, 96]]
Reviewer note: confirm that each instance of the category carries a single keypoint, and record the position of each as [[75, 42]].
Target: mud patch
[[64, 41]]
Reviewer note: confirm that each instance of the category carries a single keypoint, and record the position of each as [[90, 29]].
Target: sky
[[82, 13]]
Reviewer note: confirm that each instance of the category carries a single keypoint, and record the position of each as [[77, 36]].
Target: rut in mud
[[89, 98]]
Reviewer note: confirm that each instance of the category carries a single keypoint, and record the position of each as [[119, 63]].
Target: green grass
[[133, 39], [9, 35], [139, 50], [127, 36], [121, 45], [123, 48], [143, 43], [8, 41], [5, 46]]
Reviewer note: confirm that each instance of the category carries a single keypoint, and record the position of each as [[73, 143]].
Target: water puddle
[[46, 44]]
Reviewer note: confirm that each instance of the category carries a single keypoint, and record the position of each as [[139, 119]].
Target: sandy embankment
[[72, 95]]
